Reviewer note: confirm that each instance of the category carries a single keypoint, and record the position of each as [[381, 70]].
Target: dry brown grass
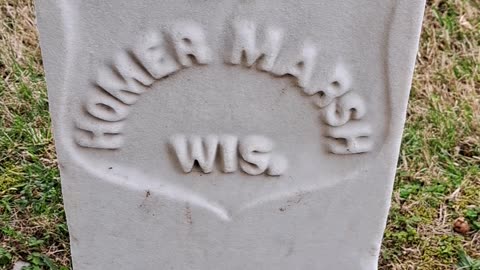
[[438, 176], [19, 49]]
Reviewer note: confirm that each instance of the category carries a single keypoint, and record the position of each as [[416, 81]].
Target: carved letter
[[255, 151], [353, 138], [245, 42], [339, 85], [105, 107], [130, 80], [195, 148], [110, 82], [303, 66], [189, 41], [343, 109], [228, 146], [92, 134], [152, 52]]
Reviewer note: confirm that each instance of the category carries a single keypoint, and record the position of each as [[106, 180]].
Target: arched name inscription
[[157, 55]]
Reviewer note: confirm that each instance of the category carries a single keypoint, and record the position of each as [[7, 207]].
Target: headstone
[[235, 134]]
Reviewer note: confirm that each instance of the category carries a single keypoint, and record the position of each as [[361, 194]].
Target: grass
[[438, 179]]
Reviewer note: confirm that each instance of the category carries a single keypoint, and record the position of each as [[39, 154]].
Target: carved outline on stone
[[134, 71]]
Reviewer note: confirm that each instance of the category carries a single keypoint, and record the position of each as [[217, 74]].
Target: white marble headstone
[[232, 134]]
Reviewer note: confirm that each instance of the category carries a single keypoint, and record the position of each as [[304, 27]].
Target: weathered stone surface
[[228, 134]]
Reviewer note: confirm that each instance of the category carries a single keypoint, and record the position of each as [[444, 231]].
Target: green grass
[[32, 221], [438, 177], [467, 263]]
